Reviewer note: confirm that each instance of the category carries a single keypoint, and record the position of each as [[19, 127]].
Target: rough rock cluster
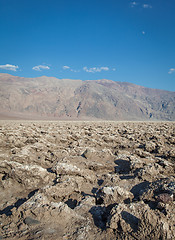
[[87, 180]]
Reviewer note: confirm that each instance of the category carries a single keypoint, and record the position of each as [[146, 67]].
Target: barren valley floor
[[87, 180]]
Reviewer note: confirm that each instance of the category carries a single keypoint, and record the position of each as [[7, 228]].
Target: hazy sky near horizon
[[121, 40]]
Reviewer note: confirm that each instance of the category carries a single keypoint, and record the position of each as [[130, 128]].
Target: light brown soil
[[87, 180]]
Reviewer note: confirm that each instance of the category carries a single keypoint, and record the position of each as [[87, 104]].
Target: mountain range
[[49, 98]]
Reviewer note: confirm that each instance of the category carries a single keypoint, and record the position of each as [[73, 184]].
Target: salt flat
[[87, 180]]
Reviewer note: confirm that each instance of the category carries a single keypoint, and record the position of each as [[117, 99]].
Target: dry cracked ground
[[87, 180]]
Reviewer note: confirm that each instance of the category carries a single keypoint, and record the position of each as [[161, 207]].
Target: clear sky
[[121, 40]]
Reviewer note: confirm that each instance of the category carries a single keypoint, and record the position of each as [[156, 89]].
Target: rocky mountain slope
[[52, 98]]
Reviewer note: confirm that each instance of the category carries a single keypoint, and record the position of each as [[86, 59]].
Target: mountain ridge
[[52, 98]]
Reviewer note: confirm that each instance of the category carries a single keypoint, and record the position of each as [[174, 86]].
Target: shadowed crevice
[[8, 210]]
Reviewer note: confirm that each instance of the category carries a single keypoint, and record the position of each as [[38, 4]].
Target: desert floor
[[87, 180]]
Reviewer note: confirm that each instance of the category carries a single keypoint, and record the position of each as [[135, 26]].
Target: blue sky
[[121, 40]]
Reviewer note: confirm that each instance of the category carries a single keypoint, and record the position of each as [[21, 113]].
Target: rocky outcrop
[[30, 176], [87, 180]]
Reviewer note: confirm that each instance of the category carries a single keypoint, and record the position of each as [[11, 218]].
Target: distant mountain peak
[[52, 98]]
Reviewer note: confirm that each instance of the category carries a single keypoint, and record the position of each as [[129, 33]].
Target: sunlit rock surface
[[87, 180]]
